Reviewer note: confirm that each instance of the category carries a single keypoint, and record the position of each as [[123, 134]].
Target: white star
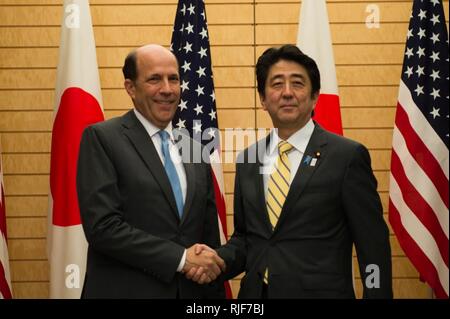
[[409, 71], [186, 66], [190, 28], [212, 133], [212, 114], [201, 71], [191, 9], [435, 19], [420, 52], [422, 14], [435, 38], [197, 127], [410, 33], [213, 96], [203, 14], [182, 28], [435, 2], [199, 90], [435, 93], [421, 33], [171, 47], [204, 33], [199, 109], [184, 9], [181, 124], [435, 56], [409, 52], [435, 75], [202, 52], [435, 113], [185, 85], [420, 71], [182, 105], [188, 47], [419, 90]]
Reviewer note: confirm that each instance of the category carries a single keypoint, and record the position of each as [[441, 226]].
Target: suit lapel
[[190, 181], [257, 172], [144, 146], [316, 149]]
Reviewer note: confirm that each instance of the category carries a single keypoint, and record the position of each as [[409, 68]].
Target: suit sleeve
[[363, 209], [103, 220], [211, 237], [234, 252]]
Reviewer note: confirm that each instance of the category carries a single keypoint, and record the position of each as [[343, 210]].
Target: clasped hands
[[203, 265]]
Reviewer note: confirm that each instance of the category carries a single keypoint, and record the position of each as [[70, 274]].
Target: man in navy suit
[[143, 205], [309, 196]]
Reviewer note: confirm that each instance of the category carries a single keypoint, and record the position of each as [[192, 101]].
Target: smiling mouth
[[165, 102], [288, 106]]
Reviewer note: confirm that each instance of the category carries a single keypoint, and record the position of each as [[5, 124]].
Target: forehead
[[287, 68], [156, 62]]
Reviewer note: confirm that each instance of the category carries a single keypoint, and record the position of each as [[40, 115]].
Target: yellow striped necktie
[[279, 182], [278, 187]]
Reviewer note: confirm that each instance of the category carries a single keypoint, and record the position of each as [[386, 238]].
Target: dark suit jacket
[[129, 215], [329, 207]]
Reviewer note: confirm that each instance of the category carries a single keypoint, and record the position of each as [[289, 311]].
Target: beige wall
[[368, 62]]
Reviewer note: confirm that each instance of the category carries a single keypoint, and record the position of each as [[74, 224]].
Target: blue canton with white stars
[[426, 65], [190, 43]]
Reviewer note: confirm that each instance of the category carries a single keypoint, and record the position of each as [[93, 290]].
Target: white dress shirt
[[152, 131], [299, 140]]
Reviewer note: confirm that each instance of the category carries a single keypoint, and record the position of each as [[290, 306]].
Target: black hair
[[129, 68], [287, 52]]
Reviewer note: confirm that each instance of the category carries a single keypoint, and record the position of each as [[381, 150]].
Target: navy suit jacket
[[136, 237], [332, 204]]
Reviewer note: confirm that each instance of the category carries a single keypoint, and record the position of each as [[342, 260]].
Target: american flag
[[419, 189], [5, 279], [197, 109]]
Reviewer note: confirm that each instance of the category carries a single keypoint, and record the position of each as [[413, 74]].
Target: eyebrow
[[295, 75]]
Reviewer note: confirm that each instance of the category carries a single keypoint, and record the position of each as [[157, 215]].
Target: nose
[[287, 91], [166, 88]]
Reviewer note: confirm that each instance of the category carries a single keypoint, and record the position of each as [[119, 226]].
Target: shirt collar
[[299, 140], [150, 127]]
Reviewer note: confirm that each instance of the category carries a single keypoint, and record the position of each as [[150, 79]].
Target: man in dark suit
[[143, 203], [303, 196]]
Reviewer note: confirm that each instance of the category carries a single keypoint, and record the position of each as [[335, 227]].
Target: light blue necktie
[[171, 171]]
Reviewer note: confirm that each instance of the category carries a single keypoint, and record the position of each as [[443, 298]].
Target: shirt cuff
[[182, 262]]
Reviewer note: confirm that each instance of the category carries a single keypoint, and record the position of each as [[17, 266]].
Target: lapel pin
[[315, 159], [307, 160]]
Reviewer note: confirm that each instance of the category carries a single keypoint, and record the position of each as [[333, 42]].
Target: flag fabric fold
[[5, 276], [314, 39], [419, 180], [78, 103], [197, 111]]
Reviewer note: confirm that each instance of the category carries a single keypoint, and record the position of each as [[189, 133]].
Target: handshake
[[203, 265]]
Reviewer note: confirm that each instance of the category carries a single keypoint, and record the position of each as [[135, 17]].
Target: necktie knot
[[284, 147]]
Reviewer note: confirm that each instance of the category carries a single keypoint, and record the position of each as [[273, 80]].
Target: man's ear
[[130, 87], [315, 98], [263, 101]]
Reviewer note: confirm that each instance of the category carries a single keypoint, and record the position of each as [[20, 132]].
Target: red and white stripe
[[419, 193], [314, 39], [5, 276]]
